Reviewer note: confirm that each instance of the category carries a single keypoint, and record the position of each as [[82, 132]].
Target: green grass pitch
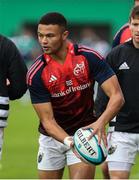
[[21, 143]]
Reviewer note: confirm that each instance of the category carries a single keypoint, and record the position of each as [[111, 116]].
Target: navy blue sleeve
[[99, 69], [38, 92]]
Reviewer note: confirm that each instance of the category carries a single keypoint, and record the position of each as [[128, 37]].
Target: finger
[[104, 137], [92, 134], [86, 127], [72, 144], [99, 137]]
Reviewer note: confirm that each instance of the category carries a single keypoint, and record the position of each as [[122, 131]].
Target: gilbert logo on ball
[[89, 150]]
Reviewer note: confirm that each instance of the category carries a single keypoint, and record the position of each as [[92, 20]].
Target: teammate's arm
[[16, 73]]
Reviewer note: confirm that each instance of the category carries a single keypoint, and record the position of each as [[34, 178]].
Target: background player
[[12, 80], [124, 33], [123, 135]]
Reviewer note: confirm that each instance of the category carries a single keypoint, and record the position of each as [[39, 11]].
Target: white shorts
[[54, 155], [122, 150]]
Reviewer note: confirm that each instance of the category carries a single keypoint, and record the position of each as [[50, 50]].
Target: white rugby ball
[[89, 150]]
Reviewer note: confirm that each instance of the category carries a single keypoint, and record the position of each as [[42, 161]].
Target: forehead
[[134, 21], [136, 2], [49, 28]]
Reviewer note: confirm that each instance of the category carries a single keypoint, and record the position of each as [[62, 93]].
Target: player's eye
[[40, 35], [135, 24], [50, 35]]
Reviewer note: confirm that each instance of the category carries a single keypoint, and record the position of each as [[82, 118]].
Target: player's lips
[[46, 48], [137, 36]]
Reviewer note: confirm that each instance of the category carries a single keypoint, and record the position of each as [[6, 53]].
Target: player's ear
[[65, 35]]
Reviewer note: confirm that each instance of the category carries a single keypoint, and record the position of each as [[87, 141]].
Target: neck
[[60, 56]]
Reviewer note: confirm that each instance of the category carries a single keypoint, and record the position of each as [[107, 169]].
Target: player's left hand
[[98, 129]]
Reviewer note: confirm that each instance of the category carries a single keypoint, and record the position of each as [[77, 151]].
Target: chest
[[128, 62], [74, 73], [127, 69]]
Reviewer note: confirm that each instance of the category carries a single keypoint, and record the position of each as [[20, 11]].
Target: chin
[[48, 52]]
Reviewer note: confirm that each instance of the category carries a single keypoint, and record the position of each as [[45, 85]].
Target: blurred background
[[105, 16], [92, 23]]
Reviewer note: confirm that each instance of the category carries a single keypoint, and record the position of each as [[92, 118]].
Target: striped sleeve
[[38, 92], [4, 110]]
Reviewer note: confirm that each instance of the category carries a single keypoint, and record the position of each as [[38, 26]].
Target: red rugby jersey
[[68, 86], [122, 36]]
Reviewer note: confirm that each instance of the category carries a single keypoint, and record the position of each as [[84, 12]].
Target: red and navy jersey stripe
[[34, 68], [34, 80]]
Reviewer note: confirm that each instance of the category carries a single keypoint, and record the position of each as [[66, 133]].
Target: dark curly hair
[[54, 18]]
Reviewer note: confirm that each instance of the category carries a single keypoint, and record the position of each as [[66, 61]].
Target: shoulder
[[3, 39], [121, 47], [5, 42], [87, 52], [122, 29], [125, 26], [35, 69], [8, 50], [122, 35], [119, 52]]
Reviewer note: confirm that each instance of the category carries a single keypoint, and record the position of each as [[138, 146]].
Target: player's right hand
[[68, 141]]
